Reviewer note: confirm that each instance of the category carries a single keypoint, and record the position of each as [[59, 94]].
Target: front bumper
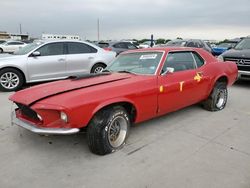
[[39, 130], [244, 75]]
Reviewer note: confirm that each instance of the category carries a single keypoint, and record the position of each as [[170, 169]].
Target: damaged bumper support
[[43, 131]]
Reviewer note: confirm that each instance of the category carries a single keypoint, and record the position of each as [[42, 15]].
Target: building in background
[[54, 37], [11, 36]]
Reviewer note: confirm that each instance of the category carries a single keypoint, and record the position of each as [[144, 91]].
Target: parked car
[[222, 47], [240, 54], [194, 43], [117, 47], [147, 44], [51, 60], [11, 46], [2, 41], [137, 86]]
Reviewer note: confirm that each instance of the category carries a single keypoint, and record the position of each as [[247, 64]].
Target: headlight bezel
[[220, 58], [64, 116]]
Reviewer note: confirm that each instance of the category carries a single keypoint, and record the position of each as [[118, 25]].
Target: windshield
[[226, 45], [244, 44], [138, 63], [176, 43], [28, 48]]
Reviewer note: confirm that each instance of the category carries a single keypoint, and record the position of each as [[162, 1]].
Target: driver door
[[49, 65], [186, 85]]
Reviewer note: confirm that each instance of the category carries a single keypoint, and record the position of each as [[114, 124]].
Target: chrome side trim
[[43, 131]]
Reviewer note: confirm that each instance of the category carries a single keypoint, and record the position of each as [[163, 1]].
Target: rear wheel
[[218, 98], [108, 130], [98, 68], [10, 79], [1, 50]]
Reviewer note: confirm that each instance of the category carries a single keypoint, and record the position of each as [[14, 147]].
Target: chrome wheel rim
[[98, 69], [9, 80], [221, 98], [117, 131]]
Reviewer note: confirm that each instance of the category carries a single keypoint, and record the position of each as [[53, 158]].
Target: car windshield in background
[[176, 43], [244, 44], [27, 49], [226, 45], [138, 62], [103, 45]]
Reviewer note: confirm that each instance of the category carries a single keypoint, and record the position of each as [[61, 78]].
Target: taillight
[[108, 49]]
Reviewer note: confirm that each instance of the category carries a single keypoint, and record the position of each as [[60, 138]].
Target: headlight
[[64, 117], [220, 57], [39, 117]]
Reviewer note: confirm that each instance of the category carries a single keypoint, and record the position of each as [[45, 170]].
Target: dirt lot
[[188, 148]]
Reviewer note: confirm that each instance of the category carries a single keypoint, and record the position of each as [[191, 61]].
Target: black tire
[[1, 50], [103, 127], [218, 98], [11, 79], [97, 68]]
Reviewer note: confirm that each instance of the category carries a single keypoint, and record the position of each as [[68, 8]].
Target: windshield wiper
[[125, 71], [91, 75]]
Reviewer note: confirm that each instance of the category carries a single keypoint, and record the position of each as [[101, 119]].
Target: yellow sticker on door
[[161, 89], [198, 77], [181, 86]]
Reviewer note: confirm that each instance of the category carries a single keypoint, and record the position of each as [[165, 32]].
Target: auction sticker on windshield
[[148, 56]]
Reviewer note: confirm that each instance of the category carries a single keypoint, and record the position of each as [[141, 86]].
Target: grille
[[27, 111], [243, 63]]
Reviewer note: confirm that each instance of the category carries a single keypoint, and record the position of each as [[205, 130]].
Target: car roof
[[164, 49]]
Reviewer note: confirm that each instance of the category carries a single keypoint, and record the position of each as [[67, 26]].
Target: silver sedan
[[51, 60]]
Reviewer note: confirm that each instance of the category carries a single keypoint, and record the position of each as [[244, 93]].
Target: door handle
[[90, 57], [200, 73], [61, 59]]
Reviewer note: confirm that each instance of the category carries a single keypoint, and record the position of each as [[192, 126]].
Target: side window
[[199, 60], [192, 44], [80, 48], [179, 61], [120, 45], [131, 46], [15, 43], [51, 49]]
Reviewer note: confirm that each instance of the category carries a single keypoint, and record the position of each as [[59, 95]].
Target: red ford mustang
[[139, 85]]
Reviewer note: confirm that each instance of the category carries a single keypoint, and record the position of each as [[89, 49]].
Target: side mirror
[[36, 53], [168, 70], [229, 48]]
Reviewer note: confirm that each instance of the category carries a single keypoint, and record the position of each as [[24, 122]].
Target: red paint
[[87, 96]]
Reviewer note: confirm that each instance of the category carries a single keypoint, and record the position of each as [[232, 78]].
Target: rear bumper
[[244, 75], [39, 130]]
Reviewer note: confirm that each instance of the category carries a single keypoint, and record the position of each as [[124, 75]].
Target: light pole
[[98, 29]]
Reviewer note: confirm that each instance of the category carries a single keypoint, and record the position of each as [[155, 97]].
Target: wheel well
[[17, 70], [99, 63], [130, 108], [222, 79]]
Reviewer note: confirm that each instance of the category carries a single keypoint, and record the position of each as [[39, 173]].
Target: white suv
[[11, 46]]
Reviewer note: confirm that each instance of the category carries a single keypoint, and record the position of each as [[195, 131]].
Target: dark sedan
[[194, 43], [117, 47]]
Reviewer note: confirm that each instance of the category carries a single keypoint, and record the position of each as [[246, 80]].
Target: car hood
[[237, 53], [4, 57], [34, 94], [219, 48]]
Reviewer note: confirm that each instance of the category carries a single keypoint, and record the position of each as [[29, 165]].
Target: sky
[[128, 19]]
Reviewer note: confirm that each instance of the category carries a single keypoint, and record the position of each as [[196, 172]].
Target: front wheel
[[218, 98], [108, 130], [10, 79], [1, 50]]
